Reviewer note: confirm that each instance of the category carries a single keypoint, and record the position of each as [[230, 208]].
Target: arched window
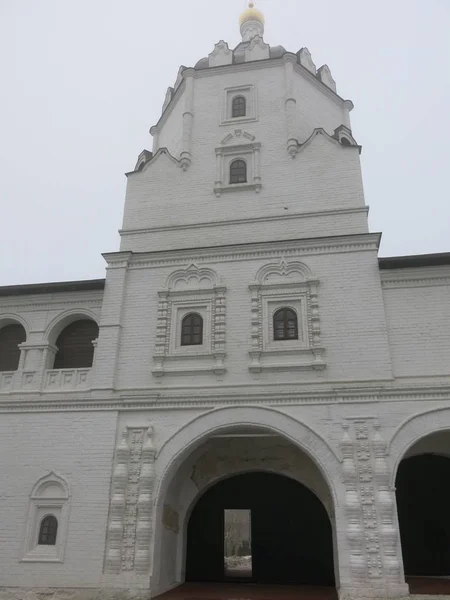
[[285, 324], [345, 141], [192, 330], [238, 107], [74, 343], [10, 338], [48, 531], [238, 171]]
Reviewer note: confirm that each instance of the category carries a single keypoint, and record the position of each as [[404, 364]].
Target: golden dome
[[251, 14]]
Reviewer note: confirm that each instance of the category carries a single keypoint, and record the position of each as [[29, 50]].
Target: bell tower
[[254, 143]]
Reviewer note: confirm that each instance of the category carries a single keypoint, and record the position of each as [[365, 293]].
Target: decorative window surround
[[237, 145], [191, 290], [251, 113], [50, 496], [289, 285]]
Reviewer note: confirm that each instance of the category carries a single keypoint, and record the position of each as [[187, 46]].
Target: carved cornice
[[257, 250], [212, 396], [48, 305], [411, 281]]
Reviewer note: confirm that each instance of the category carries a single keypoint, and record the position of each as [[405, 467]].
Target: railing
[[66, 379]]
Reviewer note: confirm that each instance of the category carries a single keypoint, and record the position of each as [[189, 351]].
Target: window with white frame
[[285, 319], [238, 163], [239, 105], [47, 520], [191, 324]]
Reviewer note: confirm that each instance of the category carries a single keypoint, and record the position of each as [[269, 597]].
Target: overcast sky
[[82, 82]]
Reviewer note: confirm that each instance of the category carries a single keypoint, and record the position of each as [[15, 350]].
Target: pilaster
[[374, 568], [188, 118], [107, 349], [290, 104]]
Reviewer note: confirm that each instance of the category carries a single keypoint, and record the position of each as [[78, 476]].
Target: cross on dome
[[251, 22]]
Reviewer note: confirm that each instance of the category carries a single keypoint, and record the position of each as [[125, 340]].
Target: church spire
[[251, 22]]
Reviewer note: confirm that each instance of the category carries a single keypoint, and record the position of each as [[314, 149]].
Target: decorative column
[[290, 104], [188, 118]]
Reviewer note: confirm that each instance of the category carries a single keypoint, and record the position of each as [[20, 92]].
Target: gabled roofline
[[52, 287], [415, 260], [245, 65]]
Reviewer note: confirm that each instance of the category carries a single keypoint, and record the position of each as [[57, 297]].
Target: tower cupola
[[252, 23]]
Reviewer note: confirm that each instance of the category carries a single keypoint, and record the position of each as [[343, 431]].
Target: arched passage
[[186, 466], [261, 527], [423, 500]]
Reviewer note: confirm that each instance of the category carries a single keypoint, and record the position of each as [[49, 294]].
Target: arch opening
[[74, 343], [11, 336], [260, 527], [423, 497], [227, 443]]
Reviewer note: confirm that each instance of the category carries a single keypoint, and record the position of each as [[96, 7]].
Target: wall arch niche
[[255, 445], [423, 498], [48, 513]]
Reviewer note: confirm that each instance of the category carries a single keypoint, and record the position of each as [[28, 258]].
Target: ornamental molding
[[212, 396], [258, 250], [276, 285], [372, 530], [57, 304], [198, 289], [283, 269], [193, 274], [406, 281], [129, 529], [238, 144]]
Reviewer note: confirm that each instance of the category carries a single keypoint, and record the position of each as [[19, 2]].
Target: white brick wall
[[79, 447]]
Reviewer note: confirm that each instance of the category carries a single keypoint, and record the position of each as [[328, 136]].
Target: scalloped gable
[[153, 159], [320, 132]]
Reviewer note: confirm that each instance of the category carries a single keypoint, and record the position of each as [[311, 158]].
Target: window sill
[[305, 359], [207, 363], [237, 187], [36, 555], [238, 120]]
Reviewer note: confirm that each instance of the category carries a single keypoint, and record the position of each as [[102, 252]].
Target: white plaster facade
[[135, 440]]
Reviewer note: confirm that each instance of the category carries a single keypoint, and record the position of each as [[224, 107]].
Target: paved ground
[[425, 588], [229, 591]]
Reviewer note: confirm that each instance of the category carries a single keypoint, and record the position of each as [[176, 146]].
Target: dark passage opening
[[291, 537], [423, 502]]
